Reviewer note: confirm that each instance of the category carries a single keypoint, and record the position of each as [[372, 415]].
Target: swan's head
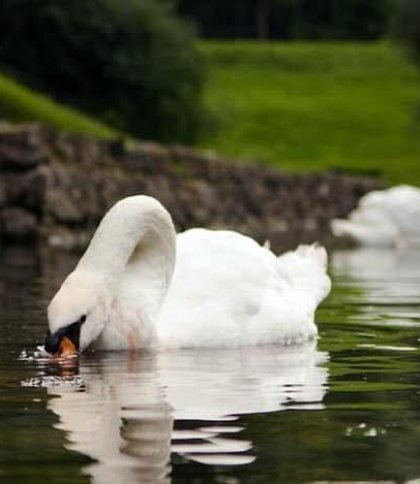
[[76, 314]]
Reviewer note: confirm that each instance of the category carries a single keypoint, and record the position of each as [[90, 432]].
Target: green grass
[[296, 106], [310, 107], [18, 103]]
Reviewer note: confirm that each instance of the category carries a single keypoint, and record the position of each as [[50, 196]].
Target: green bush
[[133, 63]]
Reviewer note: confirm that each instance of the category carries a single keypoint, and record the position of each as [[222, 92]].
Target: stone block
[[18, 224]]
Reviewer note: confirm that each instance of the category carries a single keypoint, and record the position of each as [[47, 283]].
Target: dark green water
[[346, 408]]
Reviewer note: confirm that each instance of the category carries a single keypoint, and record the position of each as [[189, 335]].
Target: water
[[345, 408]]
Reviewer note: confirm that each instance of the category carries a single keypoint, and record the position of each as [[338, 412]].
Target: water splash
[[62, 382], [41, 356]]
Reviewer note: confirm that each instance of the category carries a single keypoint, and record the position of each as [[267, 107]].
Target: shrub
[[290, 19], [133, 63], [407, 25]]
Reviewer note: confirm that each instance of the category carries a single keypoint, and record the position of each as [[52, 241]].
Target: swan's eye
[[82, 319]]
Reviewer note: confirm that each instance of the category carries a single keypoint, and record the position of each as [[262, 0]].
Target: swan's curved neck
[[135, 238]]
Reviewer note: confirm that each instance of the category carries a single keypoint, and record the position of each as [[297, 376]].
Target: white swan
[[383, 218], [138, 285]]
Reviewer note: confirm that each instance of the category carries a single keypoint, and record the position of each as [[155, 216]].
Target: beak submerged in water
[[65, 341]]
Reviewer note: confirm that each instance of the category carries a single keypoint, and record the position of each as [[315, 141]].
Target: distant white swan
[[383, 218], [138, 285]]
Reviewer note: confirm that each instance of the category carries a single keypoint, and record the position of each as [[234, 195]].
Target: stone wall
[[57, 186]]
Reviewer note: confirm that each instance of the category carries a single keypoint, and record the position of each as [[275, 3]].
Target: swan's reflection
[[389, 275], [375, 263], [134, 410]]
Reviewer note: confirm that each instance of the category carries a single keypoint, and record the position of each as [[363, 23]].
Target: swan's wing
[[220, 278], [229, 291]]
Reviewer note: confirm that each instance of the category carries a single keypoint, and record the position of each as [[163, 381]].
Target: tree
[[406, 25], [290, 19], [262, 13], [133, 64]]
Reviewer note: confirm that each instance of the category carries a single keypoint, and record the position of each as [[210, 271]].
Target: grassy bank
[[18, 103], [316, 106], [296, 106]]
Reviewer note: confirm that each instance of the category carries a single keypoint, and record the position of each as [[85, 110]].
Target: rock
[[18, 223], [3, 195], [26, 189], [147, 158], [71, 197], [21, 148], [62, 184], [67, 238]]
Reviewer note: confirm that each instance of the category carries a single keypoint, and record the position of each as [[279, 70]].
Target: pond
[[343, 408]]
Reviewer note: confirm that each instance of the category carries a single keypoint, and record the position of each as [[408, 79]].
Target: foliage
[[290, 19], [315, 106], [407, 25], [131, 63], [19, 103]]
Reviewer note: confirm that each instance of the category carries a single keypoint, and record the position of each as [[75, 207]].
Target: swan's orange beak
[[63, 342], [67, 347]]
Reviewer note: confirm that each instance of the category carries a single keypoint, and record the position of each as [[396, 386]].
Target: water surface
[[344, 408]]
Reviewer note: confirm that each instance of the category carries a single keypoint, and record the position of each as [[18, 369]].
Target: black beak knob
[[53, 340], [72, 332]]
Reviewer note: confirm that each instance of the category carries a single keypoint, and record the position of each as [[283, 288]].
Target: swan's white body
[[383, 218], [141, 286]]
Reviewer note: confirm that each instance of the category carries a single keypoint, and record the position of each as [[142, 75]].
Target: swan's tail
[[306, 269]]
